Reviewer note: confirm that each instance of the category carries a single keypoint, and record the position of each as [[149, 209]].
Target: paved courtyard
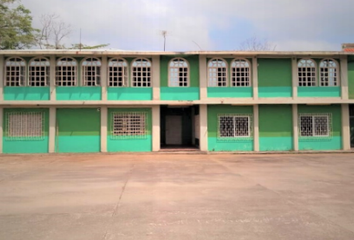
[[162, 196]]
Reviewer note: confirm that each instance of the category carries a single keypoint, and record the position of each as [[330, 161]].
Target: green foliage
[[83, 46]]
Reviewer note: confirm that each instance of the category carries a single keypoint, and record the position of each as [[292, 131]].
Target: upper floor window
[[15, 71], [306, 72], [66, 72], [91, 72], [328, 73], [39, 72], [178, 73], [117, 72], [141, 73], [240, 73], [217, 73]]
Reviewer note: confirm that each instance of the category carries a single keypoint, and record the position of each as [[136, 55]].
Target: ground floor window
[[129, 124], [24, 125], [314, 125], [234, 126]]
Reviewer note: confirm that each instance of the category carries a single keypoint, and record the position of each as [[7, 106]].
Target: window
[[314, 125], [118, 72], [217, 73], [39, 72], [129, 124], [328, 73], [91, 72], [231, 126], [66, 72], [141, 73], [240, 73], [15, 72], [306, 72], [25, 125], [178, 73]]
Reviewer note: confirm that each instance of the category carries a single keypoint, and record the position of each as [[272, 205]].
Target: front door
[[173, 130]]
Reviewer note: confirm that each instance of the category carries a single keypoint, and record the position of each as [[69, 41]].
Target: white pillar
[[345, 127], [104, 80], [52, 129], [156, 142], [295, 128], [255, 128], [294, 76], [255, 77], [203, 78], [52, 79], [344, 77], [2, 77], [203, 124], [104, 116], [156, 78]]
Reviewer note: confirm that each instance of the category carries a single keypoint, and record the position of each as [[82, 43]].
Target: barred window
[[314, 125], [141, 73], [91, 72], [128, 124], [217, 73], [15, 69], [178, 73], [234, 126], [118, 72], [39, 72], [240, 73], [25, 125], [66, 72], [306, 73], [328, 73]]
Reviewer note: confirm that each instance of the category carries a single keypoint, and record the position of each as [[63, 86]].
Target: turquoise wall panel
[[129, 145], [275, 143], [26, 93], [229, 92], [77, 144], [25, 146], [78, 93], [318, 91], [274, 92], [133, 93], [215, 144], [333, 143], [179, 93]]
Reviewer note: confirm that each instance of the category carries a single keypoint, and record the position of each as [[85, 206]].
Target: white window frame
[[313, 116], [129, 126], [59, 73], [234, 116], [330, 69], [138, 79], [25, 130], [304, 63], [213, 73], [124, 72], [175, 81], [20, 72], [33, 73], [97, 72], [234, 78]]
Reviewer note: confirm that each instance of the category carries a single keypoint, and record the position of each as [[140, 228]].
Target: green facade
[[351, 76], [230, 92], [78, 93], [129, 93], [26, 93], [318, 91]]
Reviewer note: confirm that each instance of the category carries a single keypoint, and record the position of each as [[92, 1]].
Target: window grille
[[118, 72], [217, 73], [91, 71], [39, 72], [66, 72], [328, 72], [314, 125], [25, 125], [141, 73], [179, 74], [129, 124], [15, 72], [240, 73], [306, 73], [234, 126]]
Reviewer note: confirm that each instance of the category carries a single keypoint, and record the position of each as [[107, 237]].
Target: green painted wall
[[129, 144], [229, 92], [334, 142], [179, 93], [26, 93], [319, 91], [275, 128], [78, 93], [129, 93], [26, 146], [274, 77], [78, 130], [351, 76], [215, 144]]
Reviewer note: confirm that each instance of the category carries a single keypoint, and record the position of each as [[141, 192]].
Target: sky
[[194, 25]]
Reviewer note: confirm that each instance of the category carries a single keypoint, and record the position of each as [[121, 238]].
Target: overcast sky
[[303, 25]]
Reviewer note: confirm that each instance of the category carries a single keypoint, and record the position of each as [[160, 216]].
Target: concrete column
[[344, 77], [203, 124], [104, 122], [2, 77], [104, 80], [156, 142], [255, 128], [203, 81], [294, 76], [156, 78], [52, 78], [295, 128], [52, 129], [255, 78], [345, 127]]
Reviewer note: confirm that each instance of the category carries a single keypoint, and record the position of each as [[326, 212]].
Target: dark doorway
[[351, 115]]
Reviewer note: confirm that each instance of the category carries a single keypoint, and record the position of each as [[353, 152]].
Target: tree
[[16, 31], [255, 44], [83, 46]]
